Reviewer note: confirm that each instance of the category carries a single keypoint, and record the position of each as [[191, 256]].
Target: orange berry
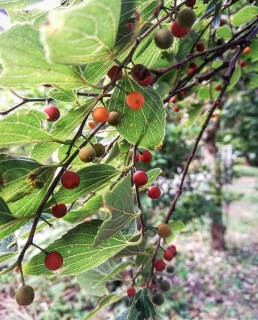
[[247, 50], [100, 114], [135, 100]]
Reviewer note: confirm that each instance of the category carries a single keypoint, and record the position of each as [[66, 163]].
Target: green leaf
[[114, 152], [21, 177], [111, 298], [152, 176], [194, 114], [142, 303], [93, 281], [80, 35], [78, 251], [224, 32], [16, 4], [62, 128], [5, 213], [204, 93], [129, 314], [244, 15], [144, 259], [177, 225], [90, 207], [6, 256], [23, 127], [217, 15], [146, 126], [137, 249], [119, 203], [35, 16], [25, 65], [61, 94], [92, 178], [235, 77]]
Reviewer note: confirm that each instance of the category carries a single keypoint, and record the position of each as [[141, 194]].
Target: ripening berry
[[247, 50], [200, 47], [242, 63], [159, 265], [178, 31], [52, 112], [112, 72], [53, 260], [100, 114], [168, 255], [154, 192], [90, 124], [164, 285], [70, 180], [59, 210], [176, 108], [99, 149], [163, 39], [131, 292], [114, 118], [158, 299], [135, 100], [87, 154], [186, 18], [140, 178], [164, 230], [139, 72], [217, 87], [173, 100], [145, 157], [24, 295]]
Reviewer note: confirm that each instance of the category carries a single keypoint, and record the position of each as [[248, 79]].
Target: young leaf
[[78, 251], [25, 64], [119, 203], [146, 126], [244, 15], [83, 33]]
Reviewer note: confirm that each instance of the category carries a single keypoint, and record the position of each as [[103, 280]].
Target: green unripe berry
[[114, 118], [163, 39], [87, 154], [186, 18], [24, 295], [164, 285], [158, 299], [170, 269], [99, 149]]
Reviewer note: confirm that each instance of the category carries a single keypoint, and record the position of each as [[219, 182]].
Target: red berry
[[176, 108], [52, 112], [59, 210], [53, 260], [70, 180], [200, 47], [190, 3], [140, 178], [111, 73], [190, 70], [177, 31], [217, 86], [242, 63], [147, 81], [145, 157], [159, 265], [172, 248], [193, 65], [168, 255], [184, 92], [173, 100], [154, 192], [131, 292]]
